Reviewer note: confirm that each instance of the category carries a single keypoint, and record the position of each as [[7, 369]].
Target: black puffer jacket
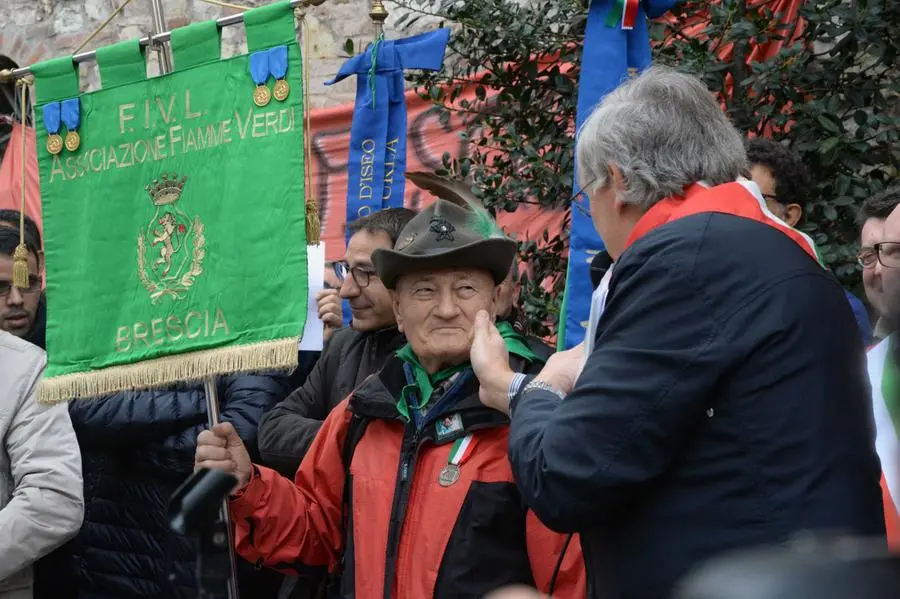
[[137, 447]]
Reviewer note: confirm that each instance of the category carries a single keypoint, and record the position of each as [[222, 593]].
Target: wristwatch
[[539, 384]]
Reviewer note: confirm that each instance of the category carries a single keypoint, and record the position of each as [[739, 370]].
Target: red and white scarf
[[740, 198]]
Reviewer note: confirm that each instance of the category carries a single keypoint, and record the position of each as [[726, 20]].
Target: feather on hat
[[454, 232]]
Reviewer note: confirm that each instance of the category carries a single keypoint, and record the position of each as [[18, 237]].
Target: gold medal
[[282, 90], [262, 95], [54, 144], [449, 475], [73, 140]]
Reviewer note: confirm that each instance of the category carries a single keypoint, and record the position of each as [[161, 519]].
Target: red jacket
[[407, 536]]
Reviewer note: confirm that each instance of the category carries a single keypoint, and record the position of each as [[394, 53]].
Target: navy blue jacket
[[725, 404], [137, 448]]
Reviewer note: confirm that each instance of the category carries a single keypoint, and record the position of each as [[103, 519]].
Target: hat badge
[[442, 228]]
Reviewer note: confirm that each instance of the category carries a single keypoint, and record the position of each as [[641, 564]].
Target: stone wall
[[35, 30]]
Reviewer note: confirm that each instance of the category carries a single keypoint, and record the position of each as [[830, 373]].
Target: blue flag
[[378, 133], [609, 51]]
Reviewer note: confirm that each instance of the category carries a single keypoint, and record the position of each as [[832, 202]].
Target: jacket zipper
[[398, 509]]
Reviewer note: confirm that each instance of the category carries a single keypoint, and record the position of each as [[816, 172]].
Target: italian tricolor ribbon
[[883, 377], [625, 14], [461, 450], [740, 198]]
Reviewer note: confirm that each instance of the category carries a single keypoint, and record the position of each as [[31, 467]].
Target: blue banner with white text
[[616, 39]]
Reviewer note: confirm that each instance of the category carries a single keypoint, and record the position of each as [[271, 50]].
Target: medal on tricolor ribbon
[[459, 453], [71, 117], [259, 71], [278, 65], [51, 124]]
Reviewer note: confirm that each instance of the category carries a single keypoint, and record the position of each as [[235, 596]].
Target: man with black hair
[[350, 355], [41, 498], [22, 311], [781, 176], [783, 182], [872, 216]]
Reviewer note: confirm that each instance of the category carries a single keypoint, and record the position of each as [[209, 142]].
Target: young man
[[30, 307], [406, 490], [724, 403], [784, 183], [41, 501]]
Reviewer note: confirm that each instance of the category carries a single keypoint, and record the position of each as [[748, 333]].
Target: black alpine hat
[[447, 234]]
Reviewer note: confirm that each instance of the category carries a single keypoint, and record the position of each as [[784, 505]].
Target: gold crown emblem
[[167, 190]]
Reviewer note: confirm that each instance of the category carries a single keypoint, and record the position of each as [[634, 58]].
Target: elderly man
[[714, 409], [407, 490]]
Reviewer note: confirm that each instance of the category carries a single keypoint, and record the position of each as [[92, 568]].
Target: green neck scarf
[[424, 383]]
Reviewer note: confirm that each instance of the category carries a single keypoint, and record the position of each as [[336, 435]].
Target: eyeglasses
[[361, 276], [886, 252], [34, 285], [769, 196], [581, 200]]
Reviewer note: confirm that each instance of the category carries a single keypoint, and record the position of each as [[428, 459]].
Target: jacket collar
[[376, 397], [738, 198]]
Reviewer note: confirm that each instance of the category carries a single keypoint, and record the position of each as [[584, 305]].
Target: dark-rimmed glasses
[[34, 285], [886, 252], [361, 276]]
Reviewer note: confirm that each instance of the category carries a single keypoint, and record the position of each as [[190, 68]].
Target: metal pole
[[212, 411], [159, 25], [211, 391], [156, 38]]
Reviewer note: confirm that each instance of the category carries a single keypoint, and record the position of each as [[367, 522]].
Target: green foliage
[[833, 95], [519, 123]]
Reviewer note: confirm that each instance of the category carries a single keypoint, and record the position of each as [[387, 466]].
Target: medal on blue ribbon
[[278, 65], [51, 124], [71, 118], [259, 71]]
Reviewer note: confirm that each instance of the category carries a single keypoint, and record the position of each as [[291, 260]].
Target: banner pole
[[212, 411], [159, 25], [210, 390]]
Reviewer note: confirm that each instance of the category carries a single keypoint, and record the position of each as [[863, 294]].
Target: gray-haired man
[[716, 409]]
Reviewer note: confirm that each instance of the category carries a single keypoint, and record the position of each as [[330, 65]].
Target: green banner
[[175, 230]]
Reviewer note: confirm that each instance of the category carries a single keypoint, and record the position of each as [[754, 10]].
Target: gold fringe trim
[[277, 355]]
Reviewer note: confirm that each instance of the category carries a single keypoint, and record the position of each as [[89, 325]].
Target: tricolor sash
[[883, 379], [739, 198]]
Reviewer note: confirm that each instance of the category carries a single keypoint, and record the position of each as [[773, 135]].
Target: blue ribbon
[[278, 62], [71, 113], [377, 161], [259, 67], [51, 117], [608, 54]]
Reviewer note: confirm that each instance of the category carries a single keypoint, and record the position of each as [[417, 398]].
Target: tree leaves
[[833, 95]]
